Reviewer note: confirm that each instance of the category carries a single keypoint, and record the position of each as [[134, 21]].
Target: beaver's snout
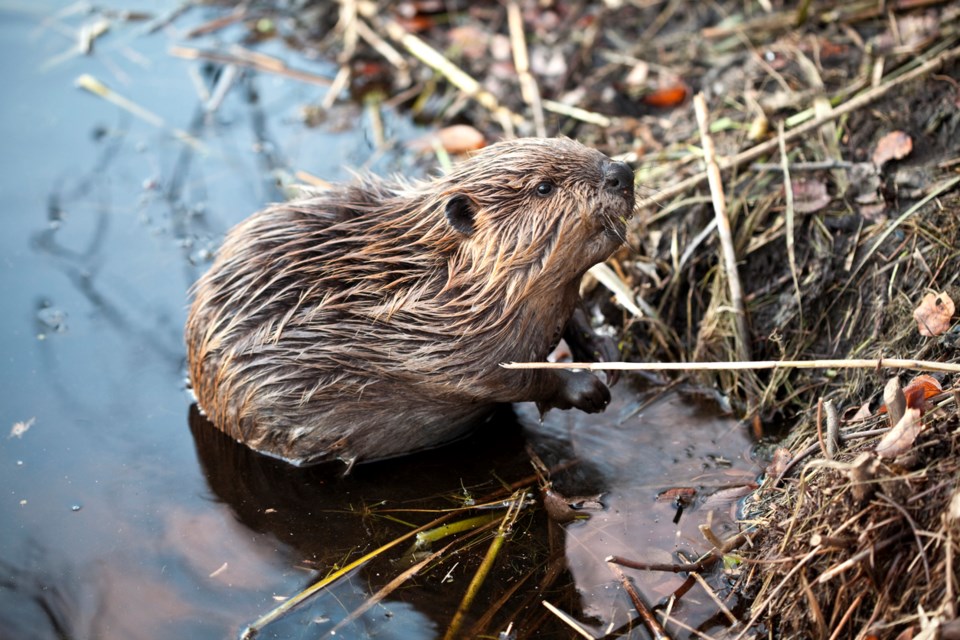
[[618, 177]]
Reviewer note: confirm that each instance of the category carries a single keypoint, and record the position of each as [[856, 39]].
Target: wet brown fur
[[361, 323]]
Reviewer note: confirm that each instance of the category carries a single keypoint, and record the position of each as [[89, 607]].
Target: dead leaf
[[20, 428], [862, 413], [679, 495], [809, 195], [666, 97], [893, 146], [562, 509], [921, 388], [953, 511], [906, 634], [873, 212], [781, 458], [470, 39], [460, 138], [934, 314], [899, 439]]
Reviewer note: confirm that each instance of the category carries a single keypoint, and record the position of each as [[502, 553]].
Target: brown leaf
[[899, 439], [809, 195], [862, 413], [862, 473], [934, 314], [893, 146], [781, 458], [562, 509], [680, 495], [460, 138], [906, 634], [921, 388]]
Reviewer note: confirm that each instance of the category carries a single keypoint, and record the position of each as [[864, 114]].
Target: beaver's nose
[[618, 176]]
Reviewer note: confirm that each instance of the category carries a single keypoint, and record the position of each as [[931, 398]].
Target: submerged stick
[[257, 625], [569, 621], [504, 530], [880, 363], [258, 62], [649, 621], [97, 88]]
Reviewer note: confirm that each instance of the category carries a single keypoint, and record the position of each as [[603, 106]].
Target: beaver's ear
[[460, 212]]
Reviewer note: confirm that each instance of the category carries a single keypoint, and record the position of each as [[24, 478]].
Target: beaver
[[369, 320]]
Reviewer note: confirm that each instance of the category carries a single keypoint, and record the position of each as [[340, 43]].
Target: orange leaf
[[920, 389], [666, 96], [934, 314]]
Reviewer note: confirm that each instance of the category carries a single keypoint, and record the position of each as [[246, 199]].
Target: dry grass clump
[[860, 546]]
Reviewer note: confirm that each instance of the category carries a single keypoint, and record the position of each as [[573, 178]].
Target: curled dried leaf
[[894, 400], [563, 509], [934, 314], [862, 413], [901, 437], [679, 495], [455, 139], [893, 146], [862, 473]]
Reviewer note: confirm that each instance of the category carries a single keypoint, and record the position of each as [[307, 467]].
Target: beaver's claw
[[581, 390]]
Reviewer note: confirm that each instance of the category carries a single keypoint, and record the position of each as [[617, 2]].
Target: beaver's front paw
[[584, 391]]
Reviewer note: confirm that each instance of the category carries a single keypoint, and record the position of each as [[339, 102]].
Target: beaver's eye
[[544, 188]]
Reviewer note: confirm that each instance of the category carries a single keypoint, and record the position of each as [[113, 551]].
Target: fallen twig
[[454, 74], [528, 84], [569, 621], [653, 625], [257, 61], [724, 231], [97, 88], [880, 363]]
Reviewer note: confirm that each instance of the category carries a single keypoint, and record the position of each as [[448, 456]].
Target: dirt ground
[[855, 106]]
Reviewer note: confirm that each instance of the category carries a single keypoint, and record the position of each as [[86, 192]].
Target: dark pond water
[[124, 515]]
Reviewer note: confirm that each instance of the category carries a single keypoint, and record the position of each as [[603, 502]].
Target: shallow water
[[124, 518]]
